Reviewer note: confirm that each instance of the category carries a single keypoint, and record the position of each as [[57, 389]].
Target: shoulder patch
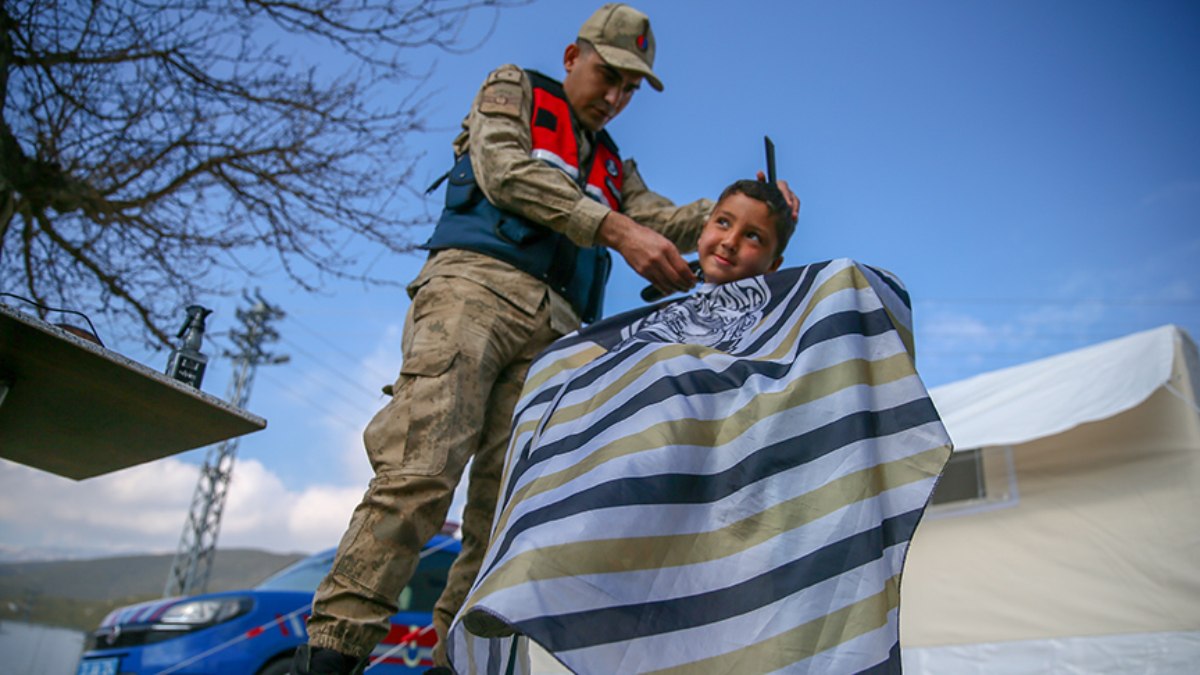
[[505, 75], [502, 93]]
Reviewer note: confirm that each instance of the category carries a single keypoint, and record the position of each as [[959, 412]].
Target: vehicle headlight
[[205, 612]]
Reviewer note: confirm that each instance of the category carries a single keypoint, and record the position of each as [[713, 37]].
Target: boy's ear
[[775, 265]]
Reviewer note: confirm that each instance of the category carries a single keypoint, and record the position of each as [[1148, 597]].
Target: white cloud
[[144, 508], [138, 509], [954, 327], [1176, 291], [1178, 190], [321, 514]]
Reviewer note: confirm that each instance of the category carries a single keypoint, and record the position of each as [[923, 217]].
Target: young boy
[[743, 237], [746, 233]]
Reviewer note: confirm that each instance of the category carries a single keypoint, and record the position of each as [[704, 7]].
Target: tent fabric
[[1101, 540], [1162, 653], [1048, 396], [1096, 557], [725, 483]]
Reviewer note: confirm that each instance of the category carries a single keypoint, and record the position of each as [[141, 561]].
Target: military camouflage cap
[[622, 37]]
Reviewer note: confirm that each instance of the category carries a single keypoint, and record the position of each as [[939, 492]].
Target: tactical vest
[[469, 221]]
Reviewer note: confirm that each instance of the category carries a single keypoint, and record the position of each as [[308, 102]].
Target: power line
[[321, 363], [1103, 302], [289, 388], [356, 360], [291, 393], [936, 336]]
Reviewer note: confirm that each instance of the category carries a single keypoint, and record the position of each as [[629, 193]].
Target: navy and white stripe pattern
[[723, 484]]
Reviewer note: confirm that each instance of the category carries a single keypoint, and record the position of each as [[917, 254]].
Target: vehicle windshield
[[420, 594], [304, 575]]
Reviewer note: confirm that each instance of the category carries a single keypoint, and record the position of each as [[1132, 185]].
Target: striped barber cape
[[726, 483]]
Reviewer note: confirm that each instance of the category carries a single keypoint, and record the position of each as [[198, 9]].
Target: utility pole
[[193, 559]]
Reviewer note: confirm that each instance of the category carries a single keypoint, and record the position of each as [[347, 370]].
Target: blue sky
[[1030, 170]]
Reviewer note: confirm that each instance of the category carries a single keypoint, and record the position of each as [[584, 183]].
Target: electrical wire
[[319, 407], [321, 363], [39, 305], [356, 360], [1102, 302]]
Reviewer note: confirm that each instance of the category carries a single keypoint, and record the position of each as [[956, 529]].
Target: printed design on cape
[[715, 316]]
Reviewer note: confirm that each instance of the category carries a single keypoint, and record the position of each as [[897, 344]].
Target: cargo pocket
[[430, 355], [412, 434], [431, 334]]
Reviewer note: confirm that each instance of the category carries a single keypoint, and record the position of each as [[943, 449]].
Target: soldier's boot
[[321, 661]]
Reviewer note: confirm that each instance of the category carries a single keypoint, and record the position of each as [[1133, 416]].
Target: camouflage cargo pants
[[466, 352]]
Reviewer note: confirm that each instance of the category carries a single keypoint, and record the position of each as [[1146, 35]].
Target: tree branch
[[150, 147]]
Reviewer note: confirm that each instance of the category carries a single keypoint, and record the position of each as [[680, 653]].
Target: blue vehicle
[[255, 632]]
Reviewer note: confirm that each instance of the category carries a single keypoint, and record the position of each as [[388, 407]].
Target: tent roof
[[1051, 395]]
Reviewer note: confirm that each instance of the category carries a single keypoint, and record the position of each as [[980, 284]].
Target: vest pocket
[[519, 232], [462, 192]]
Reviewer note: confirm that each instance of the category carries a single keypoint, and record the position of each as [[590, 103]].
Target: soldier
[[537, 196]]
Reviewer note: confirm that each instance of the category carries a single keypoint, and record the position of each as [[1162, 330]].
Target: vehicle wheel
[[281, 666]]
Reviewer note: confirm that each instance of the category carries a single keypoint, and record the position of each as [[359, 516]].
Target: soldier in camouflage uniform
[[477, 320]]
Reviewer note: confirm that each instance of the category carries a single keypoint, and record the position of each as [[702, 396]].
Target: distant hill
[[79, 593]]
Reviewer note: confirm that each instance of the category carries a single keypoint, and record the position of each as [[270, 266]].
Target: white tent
[[34, 649], [1071, 538]]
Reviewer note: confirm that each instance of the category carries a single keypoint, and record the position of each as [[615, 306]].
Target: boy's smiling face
[[738, 241]]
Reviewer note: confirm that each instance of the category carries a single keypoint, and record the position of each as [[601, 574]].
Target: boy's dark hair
[[777, 206]]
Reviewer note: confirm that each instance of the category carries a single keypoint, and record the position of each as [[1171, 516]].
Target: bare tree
[[150, 148]]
